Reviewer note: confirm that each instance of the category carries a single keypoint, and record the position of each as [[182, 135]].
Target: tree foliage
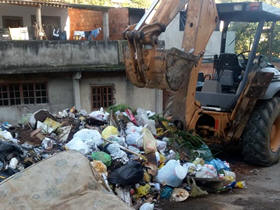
[[245, 33], [121, 3], [272, 2]]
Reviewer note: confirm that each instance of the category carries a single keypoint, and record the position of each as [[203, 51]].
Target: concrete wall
[[173, 37], [125, 93], [26, 12], [32, 54], [60, 95]]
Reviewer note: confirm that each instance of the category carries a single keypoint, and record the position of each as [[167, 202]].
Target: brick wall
[[85, 20], [118, 22]]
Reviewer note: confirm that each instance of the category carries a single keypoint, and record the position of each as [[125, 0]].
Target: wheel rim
[[275, 135]]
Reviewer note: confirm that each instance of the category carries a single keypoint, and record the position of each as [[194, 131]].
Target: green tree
[[127, 3], [138, 3], [245, 33]]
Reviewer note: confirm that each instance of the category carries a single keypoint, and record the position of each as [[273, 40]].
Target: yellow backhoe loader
[[242, 101]]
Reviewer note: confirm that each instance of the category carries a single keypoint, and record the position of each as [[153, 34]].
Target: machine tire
[[256, 138]]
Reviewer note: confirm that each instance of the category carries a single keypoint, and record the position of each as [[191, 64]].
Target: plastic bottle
[[172, 174]]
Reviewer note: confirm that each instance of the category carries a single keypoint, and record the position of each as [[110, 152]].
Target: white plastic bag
[[90, 137], [84, 141], [207, 171], [100, 115], [117, 153], [79, 146], [134, 136], [118, 139], [131, 128], [172, 174], [63, 114], [161, 146], [147, 206], [47, 143], [7, 136], [44, 127], [135, 139], [143, 120], [13, 163]]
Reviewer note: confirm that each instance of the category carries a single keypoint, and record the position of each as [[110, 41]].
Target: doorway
[[12, 21]]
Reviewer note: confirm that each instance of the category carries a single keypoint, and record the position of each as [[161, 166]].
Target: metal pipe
[[251, 57], [106, 29], [147, 14], [224, 37]]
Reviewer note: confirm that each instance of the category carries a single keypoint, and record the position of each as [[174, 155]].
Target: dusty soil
[[263, 192]]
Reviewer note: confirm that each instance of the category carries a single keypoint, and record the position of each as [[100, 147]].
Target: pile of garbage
[[138, 155]]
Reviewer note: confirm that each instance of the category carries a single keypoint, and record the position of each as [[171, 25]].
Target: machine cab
[[231, 70]]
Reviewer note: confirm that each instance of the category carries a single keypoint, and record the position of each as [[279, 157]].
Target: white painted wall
[[125, 93], [60, 95], [26, 12], [173, 37]]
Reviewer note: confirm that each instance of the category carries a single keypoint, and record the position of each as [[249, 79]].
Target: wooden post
[[40, 31], [106, 26]]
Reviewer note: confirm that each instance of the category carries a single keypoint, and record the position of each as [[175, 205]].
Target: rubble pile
[[138, 155]]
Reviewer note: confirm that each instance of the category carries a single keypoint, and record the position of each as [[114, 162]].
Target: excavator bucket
[[147, 65], [164, 70]]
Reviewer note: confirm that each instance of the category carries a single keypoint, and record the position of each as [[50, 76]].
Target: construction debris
[[138, 155]]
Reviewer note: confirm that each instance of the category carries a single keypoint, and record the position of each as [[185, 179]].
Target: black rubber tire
[[256, 136]]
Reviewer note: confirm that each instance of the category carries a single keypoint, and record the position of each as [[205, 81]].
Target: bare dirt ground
[[263, 192]]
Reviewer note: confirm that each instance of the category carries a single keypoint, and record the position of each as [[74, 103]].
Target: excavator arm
[[150, 66]]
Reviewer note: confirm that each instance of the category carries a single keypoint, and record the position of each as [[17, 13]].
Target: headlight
[[276, 77]]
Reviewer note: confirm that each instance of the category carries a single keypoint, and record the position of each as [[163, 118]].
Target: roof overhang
[[248, 12], [53, 3]]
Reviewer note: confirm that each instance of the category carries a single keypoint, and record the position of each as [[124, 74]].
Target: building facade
[[57, 74], [46, 72]]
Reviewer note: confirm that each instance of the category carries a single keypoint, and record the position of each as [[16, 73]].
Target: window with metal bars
[[35, 93], [102, 96], [26, 93]]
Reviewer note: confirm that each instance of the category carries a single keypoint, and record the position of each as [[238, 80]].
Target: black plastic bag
[[94, 122], [129, 174], [7, 173], [9, 149]]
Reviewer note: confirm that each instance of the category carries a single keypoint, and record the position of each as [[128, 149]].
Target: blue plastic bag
[[219, 164]]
